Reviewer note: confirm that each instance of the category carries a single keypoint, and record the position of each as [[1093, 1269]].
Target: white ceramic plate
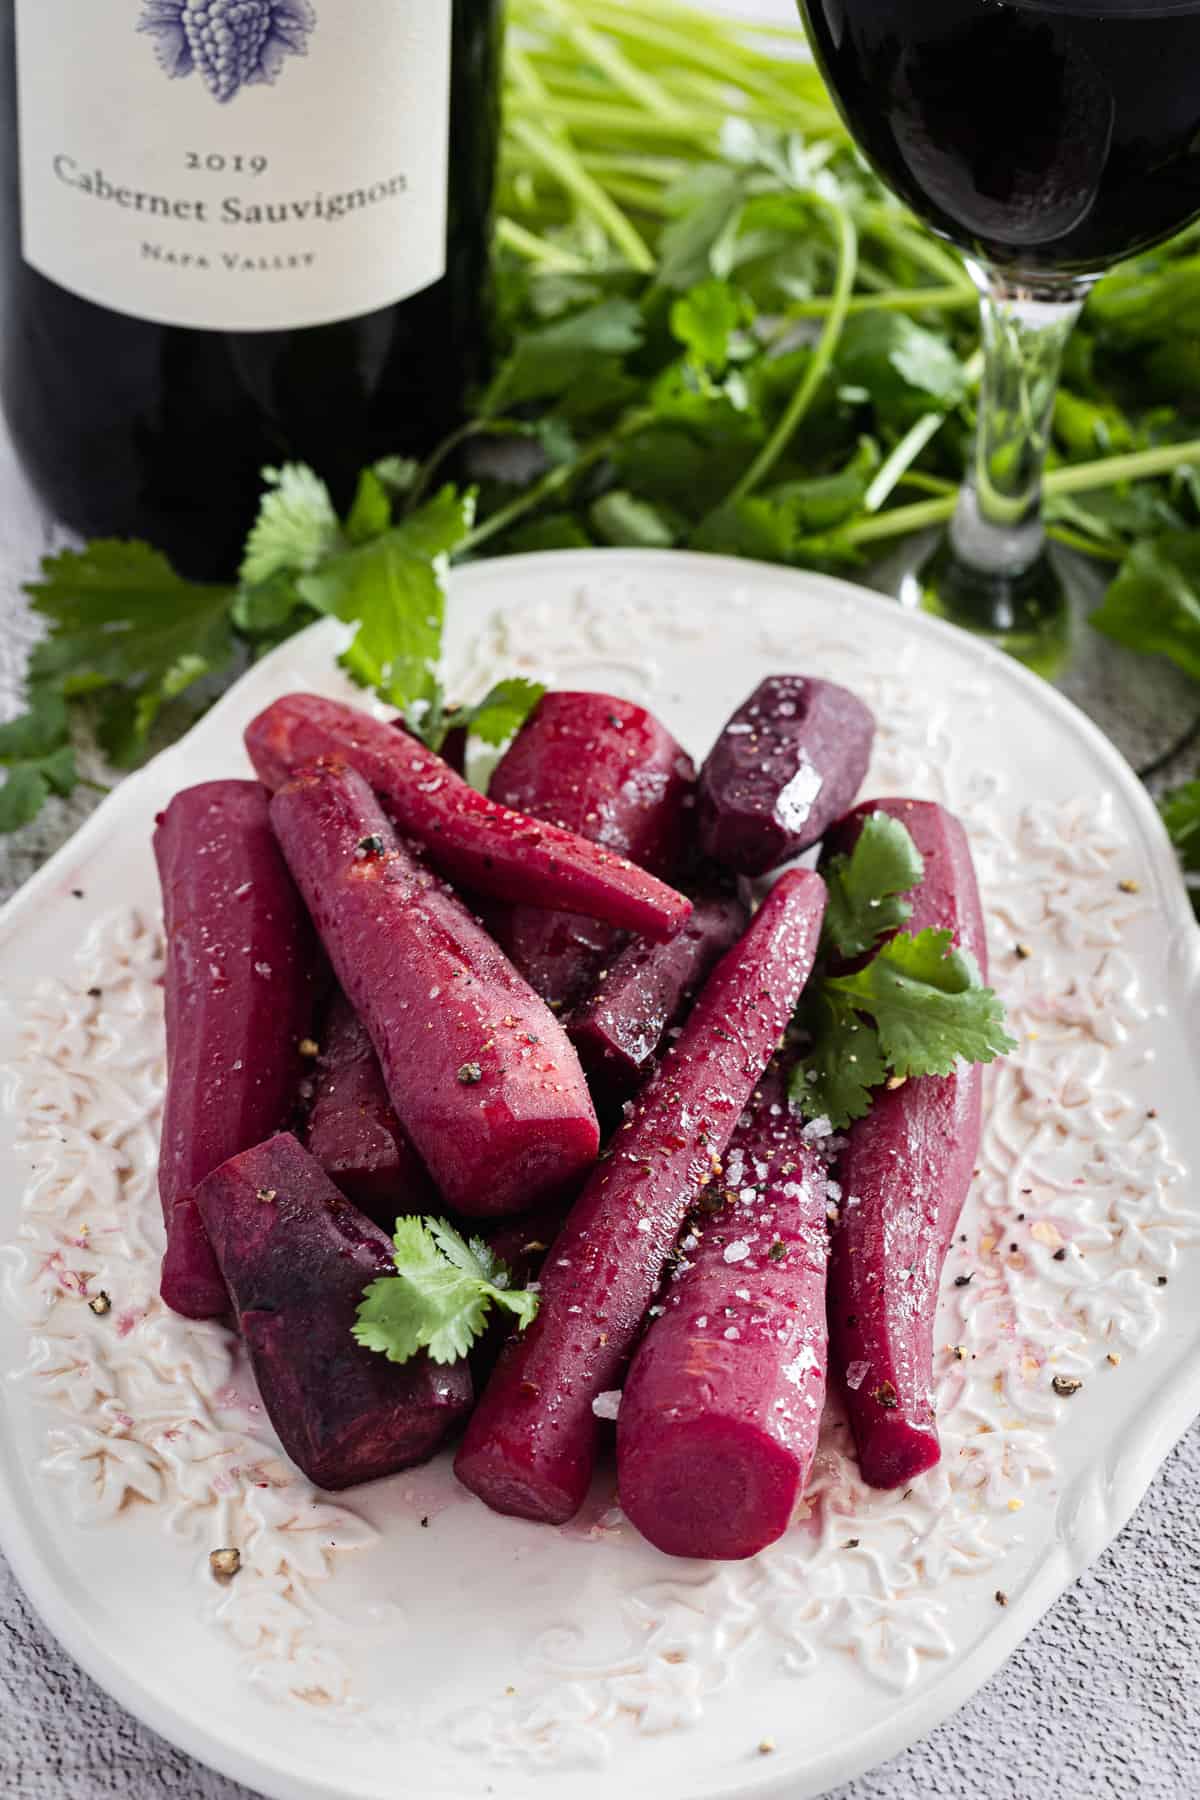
[[405, 1640]]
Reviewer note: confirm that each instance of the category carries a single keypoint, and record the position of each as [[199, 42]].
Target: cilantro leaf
[[546, 361], [905, 369], [297, 525], [866, 888], [929, 1005], [121, 618], [440, 1296], [503, 710], [390, 589], [38, 760], [705, 319], [1154, 602], [371, 513], [837, 1075], [1180, 810]]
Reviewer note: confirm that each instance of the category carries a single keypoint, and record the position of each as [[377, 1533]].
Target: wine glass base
[[1026, 612]]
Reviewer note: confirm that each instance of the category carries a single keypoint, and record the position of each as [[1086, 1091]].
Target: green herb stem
[[551, 257], [554, 482], [561, 160], [1075, 478], [814, 374]]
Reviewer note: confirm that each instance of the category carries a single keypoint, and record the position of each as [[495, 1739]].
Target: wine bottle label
[[235, 165]]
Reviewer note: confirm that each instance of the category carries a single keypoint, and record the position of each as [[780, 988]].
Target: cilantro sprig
[[440, 1297], [130, 640], [916, 1006], [717, 331]]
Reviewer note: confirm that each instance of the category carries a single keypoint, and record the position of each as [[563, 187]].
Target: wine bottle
[[238, 232]]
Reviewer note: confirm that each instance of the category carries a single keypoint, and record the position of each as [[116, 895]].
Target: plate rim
[[1161, 1424]]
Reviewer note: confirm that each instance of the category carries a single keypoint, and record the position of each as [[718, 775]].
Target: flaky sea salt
[[737, 1252], [607, 1406]]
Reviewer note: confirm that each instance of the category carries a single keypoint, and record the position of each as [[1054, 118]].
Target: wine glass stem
[[997, 527]]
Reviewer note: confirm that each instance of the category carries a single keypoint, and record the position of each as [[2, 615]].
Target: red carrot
[[904, 1175], [607, 769], [352, 1127], [719, 1418], [470, 838], [531, 1445], [297, 1257], [241, 993], [481, 1074]]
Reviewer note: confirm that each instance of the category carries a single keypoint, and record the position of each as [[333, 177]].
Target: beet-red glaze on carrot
[[607, 770], [904, 1175], [788, 763], [531, 1444], [240, 988], [297, 1257], [468, 837], [603, 768], [481, 1074], [719, 1418], [352, 1127], [643, 990]]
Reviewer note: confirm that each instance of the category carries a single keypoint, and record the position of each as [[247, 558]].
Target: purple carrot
[[719, 1419], [297, 1258], [481, 1074], [352, 1127], [904, 1175], [788, 763], [645, 989], [609, 771], [531, 1446], [474, 841], [241, 994]]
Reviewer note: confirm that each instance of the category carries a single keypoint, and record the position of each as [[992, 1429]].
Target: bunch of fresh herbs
[[716, 330]]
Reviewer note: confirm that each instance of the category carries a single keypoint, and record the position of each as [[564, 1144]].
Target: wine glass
[[1047, 139]]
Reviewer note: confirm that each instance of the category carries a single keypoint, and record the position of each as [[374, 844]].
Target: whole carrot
[[484, 846], [480, 1072], [904, 1175], [530, 1447], [241, 992]]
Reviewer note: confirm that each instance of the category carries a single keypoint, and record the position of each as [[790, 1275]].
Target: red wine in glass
[[1046, 135], [1048, 139]]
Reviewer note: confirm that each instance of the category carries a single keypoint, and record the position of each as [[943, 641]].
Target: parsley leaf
[[390, 589], [1181, 815], [502, 711], [36, 754], [929, 1005], [440, 1296], [122, 620], [545, 362], [905, 369], [1154, 603], [866, 887], [296, 528], [836, 1078]]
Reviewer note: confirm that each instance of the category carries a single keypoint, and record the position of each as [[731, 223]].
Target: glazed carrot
[[788, 763], [481, 1074], [241, 993], [352, 1128], [606, 769], [486, 847], [719, 1419], [297, 1257], [904, 1175], [644, 989], [530, 1447]]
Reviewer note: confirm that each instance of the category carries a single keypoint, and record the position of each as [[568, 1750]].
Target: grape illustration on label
[[232, 44]]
